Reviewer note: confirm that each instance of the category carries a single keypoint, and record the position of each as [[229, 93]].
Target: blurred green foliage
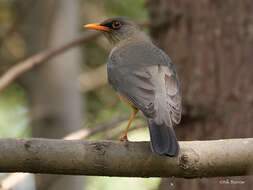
[[13, 112], [134, 9], [105, 183]]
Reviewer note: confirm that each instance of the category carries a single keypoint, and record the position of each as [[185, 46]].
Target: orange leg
[[134, 112], [124, 135]]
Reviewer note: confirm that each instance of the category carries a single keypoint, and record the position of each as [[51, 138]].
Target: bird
[[143, 77]]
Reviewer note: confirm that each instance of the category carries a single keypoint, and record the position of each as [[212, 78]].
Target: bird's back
[[144, 75]]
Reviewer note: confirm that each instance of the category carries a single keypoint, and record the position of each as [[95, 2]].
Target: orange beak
[[96, 27]]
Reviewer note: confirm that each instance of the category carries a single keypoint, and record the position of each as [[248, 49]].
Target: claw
[[124, 138]]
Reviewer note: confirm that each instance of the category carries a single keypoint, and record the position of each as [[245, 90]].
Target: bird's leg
[[124, 135], [134, 112]]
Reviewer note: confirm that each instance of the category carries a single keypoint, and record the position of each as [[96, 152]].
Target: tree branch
[[231, 157], [13, 179], [15, 71], [86, 132]]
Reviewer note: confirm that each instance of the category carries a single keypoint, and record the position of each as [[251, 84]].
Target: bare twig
[[230, 157], [84, 133], [119, 133], [41, 57]]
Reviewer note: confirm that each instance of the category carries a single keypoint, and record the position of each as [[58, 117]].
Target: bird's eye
[[116, 25]]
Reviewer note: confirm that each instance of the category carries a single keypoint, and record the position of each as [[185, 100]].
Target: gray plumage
[[144, 75]]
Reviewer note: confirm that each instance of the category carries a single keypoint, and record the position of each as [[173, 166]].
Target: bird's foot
[[124, 138]]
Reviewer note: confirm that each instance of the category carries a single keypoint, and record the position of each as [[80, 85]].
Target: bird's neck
[[138, 37]]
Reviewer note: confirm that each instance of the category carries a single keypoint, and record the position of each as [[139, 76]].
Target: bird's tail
[[163, 139]]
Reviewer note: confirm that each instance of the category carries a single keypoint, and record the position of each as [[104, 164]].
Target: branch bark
[[13, 179], [230, 157]]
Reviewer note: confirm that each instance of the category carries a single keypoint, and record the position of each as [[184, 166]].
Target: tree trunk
[[211, 45], [55, 99]]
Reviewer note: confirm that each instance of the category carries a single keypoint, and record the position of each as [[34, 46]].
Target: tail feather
[[163, 139]]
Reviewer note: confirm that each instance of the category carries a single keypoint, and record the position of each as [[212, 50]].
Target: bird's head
[[116, 29]]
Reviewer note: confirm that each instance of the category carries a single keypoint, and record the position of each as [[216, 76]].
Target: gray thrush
[[144, 77]]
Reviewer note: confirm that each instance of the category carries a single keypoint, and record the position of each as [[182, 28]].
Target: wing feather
[[149, 82]]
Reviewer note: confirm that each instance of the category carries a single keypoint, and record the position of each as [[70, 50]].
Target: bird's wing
[[146, 78]]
